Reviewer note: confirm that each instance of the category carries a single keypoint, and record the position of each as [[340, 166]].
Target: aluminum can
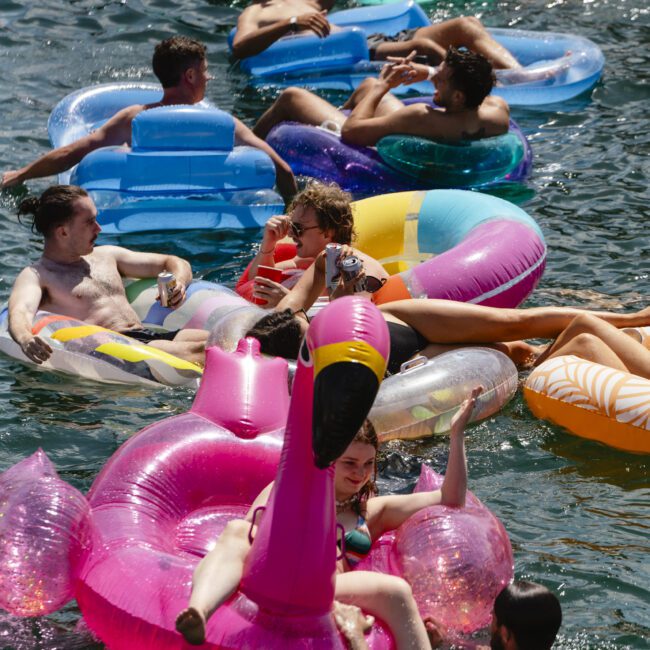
[[166, 285], [332, 271], [350, 267]]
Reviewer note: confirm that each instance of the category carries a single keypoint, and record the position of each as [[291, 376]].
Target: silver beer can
[[166, 286], [350, 268], [332, 271]]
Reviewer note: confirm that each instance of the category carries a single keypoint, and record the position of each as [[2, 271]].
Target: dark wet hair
[[279, 334], [531, 612], [332, 207], [173, 56], [471, 73], [52, 209]]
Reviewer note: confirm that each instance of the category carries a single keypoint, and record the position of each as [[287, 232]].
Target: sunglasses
[[298, 229], [374, 284]]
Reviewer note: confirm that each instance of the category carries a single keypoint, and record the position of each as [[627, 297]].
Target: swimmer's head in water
[[332, 208], [530, 613], [471, 74], [279, 334], [53, 208], [173, 56]]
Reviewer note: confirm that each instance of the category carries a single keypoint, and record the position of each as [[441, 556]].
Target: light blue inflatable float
[[181, 172], [557, 66]]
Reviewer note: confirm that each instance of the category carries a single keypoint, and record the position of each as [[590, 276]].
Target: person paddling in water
[[365, 517]]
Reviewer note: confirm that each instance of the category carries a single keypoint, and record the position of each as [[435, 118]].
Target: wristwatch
[[293, 24]]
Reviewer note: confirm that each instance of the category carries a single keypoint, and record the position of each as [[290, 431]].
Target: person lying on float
[[433, 326], [262, 23], [318, 215], [180, 64], [465, 109], [75, 278]]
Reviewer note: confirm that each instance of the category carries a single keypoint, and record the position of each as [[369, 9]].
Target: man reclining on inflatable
[[75, 279], [181, 66], [263, 23], [465, 109]]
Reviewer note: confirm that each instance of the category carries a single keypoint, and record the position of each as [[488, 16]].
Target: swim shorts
[[145, 335], [375, 40]]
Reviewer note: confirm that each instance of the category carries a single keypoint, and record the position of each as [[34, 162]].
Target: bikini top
[[357, 542]]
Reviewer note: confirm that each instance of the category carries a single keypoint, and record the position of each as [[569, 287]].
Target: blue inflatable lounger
[[181, 172], [555, 67]]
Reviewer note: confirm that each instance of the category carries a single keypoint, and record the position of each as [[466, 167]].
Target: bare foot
[[434, 630], [191, 624], [352, 624]]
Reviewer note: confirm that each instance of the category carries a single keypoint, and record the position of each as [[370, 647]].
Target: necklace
[[346, 504]]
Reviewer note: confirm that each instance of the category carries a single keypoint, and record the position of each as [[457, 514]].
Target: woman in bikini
[[365, 517], [430, 327]]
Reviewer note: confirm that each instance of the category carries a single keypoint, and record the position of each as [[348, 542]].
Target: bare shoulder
[[31, 274], [249, 17]]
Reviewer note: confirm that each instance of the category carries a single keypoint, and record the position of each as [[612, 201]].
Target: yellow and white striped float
[[593, 401]]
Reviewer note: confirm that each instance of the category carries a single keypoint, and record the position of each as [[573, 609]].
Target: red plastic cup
[[271, 273]]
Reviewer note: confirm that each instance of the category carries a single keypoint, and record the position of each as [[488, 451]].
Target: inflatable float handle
[[412, 364], [250, 530], [342, 551]]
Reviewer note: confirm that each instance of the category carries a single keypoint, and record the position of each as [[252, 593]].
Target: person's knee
[[424, 46], [236, 530], [292, 96], [398, 593], [584, 323]]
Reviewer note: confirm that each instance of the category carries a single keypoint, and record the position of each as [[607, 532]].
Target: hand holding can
[[166, 286]]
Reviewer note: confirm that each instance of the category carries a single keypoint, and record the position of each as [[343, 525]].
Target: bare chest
[[90, 281]]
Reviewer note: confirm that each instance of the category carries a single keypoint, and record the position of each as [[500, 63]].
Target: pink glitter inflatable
[[127, 555]]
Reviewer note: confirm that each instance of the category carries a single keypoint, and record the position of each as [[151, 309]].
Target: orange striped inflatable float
[[593, 401]]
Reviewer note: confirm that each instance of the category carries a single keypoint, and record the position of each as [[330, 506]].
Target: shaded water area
[[576, 511]]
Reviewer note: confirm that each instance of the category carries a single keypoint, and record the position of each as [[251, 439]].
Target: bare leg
[[434, 40], [595, 340], [388, 104], [192, 351], [447, 321], [215, 579], [388, 598], [297, 105], [522, 354]]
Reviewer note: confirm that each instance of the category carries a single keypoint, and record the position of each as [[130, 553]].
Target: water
[[576, 511]]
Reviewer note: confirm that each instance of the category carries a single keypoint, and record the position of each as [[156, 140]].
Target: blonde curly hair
[[332, 207]]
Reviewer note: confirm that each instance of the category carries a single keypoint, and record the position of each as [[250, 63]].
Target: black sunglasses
[[298, 229], [374, 284]]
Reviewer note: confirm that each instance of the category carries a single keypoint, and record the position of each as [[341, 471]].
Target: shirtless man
[[74, 278], [265, 21], [181, 67], [463, 82], [319, 215]]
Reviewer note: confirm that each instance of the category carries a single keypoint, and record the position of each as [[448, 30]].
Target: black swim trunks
[[405, 343], [145, 335], [375, 40]]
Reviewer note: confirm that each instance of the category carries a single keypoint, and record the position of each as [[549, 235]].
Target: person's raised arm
[[275, 229], [387, 513], [363, 128], [283, 175], [307, 289], [24, 301], [114, 132], [251, 39], [134, 264]]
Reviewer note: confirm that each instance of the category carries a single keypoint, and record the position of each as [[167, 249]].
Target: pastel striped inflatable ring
[[449, 244], [100, 354], [592, 401]]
